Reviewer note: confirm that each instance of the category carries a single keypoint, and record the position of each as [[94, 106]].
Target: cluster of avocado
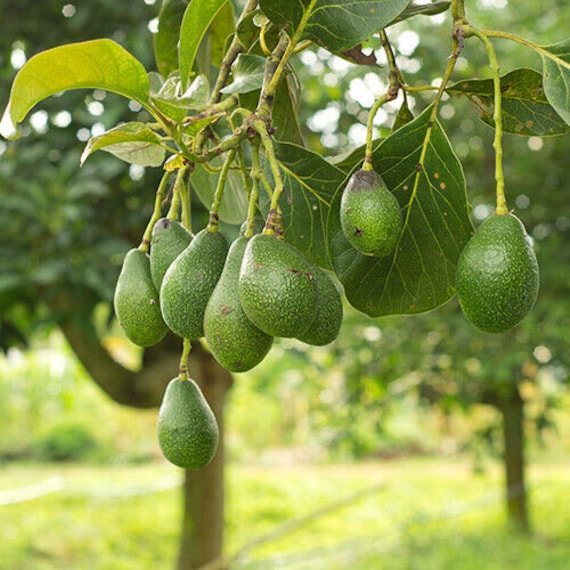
[[238, 298]]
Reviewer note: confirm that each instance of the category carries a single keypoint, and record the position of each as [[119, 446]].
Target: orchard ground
[[394, 514]]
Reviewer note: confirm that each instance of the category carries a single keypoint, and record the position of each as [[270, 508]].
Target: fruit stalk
[[183, 368], [181, 188], [156, 213], [219, 193], [497, 118], [261, 129]]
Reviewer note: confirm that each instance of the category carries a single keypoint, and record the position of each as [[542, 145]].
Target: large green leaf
[[221, 29], [334, 24], [526, 110], [196, 20], [248, 74], [419, 276], [97, 64], [165, 41], [233, 209], [556, 74], [310, 183], [134, 142]]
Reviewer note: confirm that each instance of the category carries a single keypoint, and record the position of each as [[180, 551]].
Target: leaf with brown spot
[[526, 109]]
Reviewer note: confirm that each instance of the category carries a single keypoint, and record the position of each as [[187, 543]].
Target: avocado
[[187, 429], [236, 343], [189, 282], [277, 287], [169, 238], [497, 275], [136, 301], [370, 215], [329, 312]]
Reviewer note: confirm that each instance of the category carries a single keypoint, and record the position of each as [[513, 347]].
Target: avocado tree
[[390, 220]]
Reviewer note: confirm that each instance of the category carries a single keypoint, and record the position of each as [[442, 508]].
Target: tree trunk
[[201, 539], [203, 506], [512, 409]]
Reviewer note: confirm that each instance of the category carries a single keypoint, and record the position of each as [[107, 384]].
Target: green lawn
[[401, 514]]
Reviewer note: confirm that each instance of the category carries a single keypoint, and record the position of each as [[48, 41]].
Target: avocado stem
[[261, 129], [254, 194], [219, 193], [156, 213], [497, 118], [183, 370], [182, 188]]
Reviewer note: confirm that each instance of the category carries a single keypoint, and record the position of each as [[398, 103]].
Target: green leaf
[[196, 123], [97, 64], [556, 74], [403, 117], [526, 110], [247, 75], [422, 10], [165, 41], [419, 276], [310, 183], [347, 162], [135, 143], [285, 109], [334, 24], [196, 20], [222, 28], [195, 97], [233, 209]]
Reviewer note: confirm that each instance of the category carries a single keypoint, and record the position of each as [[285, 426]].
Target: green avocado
[[136, 301], [187, 429], [277, 287], [169, 238], [497, 275], [236, 343], [189, 282], [326, 326], [370, 215]]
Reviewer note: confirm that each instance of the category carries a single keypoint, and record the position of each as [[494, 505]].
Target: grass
[[411, 514]]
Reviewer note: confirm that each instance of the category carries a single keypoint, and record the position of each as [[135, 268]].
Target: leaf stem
[[498, 119], [183, 368], [156, 213], [469, 30], [218, 194]]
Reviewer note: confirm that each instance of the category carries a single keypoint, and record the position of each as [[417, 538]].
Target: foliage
[[417, 159]]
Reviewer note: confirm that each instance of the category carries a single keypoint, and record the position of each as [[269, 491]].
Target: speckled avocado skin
[[187, 429], [189, 282], [326, 326], [236, 343], [497, 275], [136, 301], [370, 215], [169, 238], [277, 287]]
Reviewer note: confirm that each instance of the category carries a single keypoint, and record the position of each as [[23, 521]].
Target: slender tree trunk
[[512, 409], [201, 539]]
